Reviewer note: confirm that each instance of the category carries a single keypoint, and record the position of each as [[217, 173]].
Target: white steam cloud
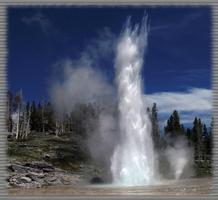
[[82, 82], [79, 84], [180, 157], [126, 141]]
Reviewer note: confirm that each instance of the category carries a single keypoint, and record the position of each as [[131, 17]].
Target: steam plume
[[133, 159]]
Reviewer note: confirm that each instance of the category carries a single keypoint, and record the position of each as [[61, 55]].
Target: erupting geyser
[[133, 158]]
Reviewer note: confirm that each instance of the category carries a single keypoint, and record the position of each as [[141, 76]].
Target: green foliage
[[65, 152], [69, 150], [174, 128]]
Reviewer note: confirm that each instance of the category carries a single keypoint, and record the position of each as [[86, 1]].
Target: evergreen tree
[[189, 135], [209, 140], [155, 126], [49, 120], [39, 116], [205, 138], [176, 122], [33, 116], [174, 128], [197, 138]]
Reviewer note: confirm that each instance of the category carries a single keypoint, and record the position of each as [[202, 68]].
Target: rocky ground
[[46, 160], [46, 164], [40, 174]]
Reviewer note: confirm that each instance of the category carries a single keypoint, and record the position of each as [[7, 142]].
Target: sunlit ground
[[188, 187]]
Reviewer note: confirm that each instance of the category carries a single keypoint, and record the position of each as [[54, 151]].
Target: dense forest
[[24, 119]]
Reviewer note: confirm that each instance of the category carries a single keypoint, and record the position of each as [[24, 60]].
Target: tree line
[[24, 118], [199, 136]]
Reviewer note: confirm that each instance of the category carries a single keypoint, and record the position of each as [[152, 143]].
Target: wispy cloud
[[175, 26], [160, 27], [41, 20], [188, 19], [193, 102]]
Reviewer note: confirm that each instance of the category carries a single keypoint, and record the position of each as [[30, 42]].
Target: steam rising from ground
[[81, 82], [180, 158], [124, 146]]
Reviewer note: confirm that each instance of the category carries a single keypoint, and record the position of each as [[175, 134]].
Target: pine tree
[[197, 135], [155, 126], [39, 118], [189, 135], [174, 128], [209, 141], [49, 120], [33, 116]]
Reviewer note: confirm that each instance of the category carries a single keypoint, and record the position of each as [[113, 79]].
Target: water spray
[[133, 159]]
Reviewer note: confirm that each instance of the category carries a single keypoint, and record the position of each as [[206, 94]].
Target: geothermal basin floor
[[186, 187]]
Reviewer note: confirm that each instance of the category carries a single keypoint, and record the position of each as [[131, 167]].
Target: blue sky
[[177, 66]]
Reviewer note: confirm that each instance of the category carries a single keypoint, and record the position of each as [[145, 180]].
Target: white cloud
[[193, 102], [195, 99]]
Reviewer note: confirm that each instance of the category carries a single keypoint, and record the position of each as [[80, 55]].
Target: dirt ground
[[185, 187]]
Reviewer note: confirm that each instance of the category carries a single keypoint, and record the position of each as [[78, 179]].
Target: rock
[[48, 170], [51, 179], [96, 180], [17, 168], [46, 156], [35, 176], [25, 179], [39, 174], [39, 165]]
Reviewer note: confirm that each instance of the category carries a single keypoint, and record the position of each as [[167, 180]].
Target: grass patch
[[65, 152]]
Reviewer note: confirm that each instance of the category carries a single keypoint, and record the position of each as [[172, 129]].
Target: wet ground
[[188, 187]]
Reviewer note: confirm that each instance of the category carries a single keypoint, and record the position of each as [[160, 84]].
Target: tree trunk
[[18, 123]]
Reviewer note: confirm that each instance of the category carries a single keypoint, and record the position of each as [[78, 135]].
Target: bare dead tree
[[18, 104], [25, 123], [21, 118]]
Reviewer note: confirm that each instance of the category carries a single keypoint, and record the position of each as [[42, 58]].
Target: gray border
[[3, 83], [3, 77]]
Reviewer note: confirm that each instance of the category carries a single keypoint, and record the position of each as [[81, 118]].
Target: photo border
[[5, 4]]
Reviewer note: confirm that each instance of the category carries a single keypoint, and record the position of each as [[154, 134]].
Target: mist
[[120, 107], [178, 158], [82, 82], [79, 85]]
